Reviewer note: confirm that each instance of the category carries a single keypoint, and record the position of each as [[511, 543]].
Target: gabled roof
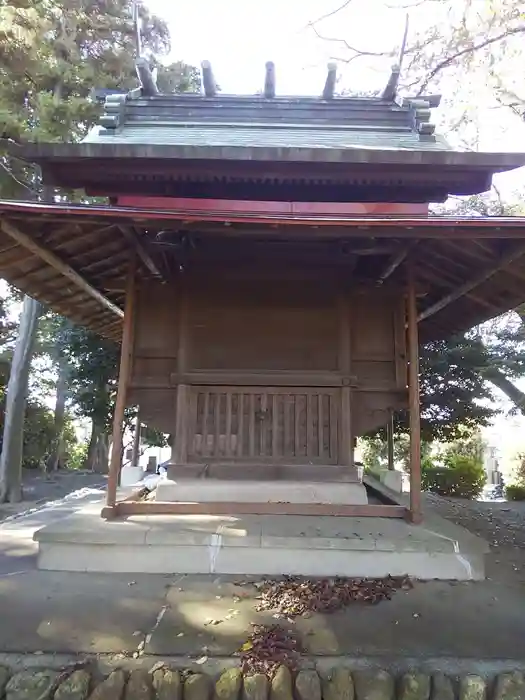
[[221, 121], [267, 147]]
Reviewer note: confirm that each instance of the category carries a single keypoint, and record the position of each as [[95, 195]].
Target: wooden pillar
[[179, 451], [135, 456], [390, 440], [413, 398], [126, 357], [346, 443]]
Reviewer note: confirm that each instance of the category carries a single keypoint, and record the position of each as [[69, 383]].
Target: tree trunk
[[98, 450], [56, 456], [499, 380], [13, 436]]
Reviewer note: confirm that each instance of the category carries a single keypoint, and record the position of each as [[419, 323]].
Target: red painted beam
[[290, 208]]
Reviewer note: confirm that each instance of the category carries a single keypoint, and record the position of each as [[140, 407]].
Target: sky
[[238, 37]]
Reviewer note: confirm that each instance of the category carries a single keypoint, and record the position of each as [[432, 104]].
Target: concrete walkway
[[170, 616]]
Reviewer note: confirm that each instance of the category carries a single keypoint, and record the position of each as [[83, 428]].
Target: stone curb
[[160, 682]]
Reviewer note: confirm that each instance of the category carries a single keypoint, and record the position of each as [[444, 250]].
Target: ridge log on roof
[[208, 81], [145, 75], [269, 80], [331, 79]]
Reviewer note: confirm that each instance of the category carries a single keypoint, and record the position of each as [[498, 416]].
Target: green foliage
[[153, 438], [92, 379], [470, 445], [38, 435], [515, 492], [452, 388], [375, 451], [52, 54], [77, 456], [461, 476], [519, 469]]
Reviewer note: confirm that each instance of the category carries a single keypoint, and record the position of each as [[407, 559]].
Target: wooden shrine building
[[268, 263]]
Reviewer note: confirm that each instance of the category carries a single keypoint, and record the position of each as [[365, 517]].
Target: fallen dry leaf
[[292, 597]]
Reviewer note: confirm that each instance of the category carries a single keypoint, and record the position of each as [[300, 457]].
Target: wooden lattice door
[[264, 424]]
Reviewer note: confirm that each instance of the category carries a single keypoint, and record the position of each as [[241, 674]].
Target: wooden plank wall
[[270, 369]]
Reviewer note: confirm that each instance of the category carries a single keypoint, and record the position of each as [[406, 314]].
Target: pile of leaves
[[291, 596], [267, 648]]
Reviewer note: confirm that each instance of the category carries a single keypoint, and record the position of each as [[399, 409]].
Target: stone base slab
[[264, 472], [247, 491], [255, 545]]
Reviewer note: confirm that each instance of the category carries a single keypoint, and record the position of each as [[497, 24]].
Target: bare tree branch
[[358, 52], [446, 62], [330, 14]]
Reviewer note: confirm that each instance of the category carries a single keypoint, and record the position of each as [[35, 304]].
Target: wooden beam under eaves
[[395, 261], [59, 265], [141, 251], [467, 287]]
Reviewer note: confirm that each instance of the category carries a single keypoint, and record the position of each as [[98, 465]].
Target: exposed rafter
[[269, 80], [208, 81], [143, 254], [59, 265], [331, 79], [471, 284], [395, 261]]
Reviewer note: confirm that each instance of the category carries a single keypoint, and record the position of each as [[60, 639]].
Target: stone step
[[254, 545], [264, 472], [244, 491]]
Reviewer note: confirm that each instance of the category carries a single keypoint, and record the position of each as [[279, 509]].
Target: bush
[[460, 477], [515, 492]]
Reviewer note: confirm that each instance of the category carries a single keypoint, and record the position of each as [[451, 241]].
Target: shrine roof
[[74, 258], [267, 147], [257, 122]]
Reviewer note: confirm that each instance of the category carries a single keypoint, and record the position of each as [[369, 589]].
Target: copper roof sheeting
[[74, 258]]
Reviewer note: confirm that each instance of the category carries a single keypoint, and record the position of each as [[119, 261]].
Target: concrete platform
[[260, 545], [264, 472], [254, 491]]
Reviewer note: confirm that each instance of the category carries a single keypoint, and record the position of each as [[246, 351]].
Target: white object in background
[[131, 475]]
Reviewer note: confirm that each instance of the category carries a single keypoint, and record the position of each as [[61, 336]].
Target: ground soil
[[502, 524], [39, 488]]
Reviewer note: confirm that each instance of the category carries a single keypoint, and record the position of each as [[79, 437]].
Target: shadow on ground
[[205, 615]]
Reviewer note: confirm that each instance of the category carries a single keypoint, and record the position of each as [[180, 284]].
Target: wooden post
[[135, 456], [346, 443], [390, 440], [126, 355], [413, 398], [180, 449]]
